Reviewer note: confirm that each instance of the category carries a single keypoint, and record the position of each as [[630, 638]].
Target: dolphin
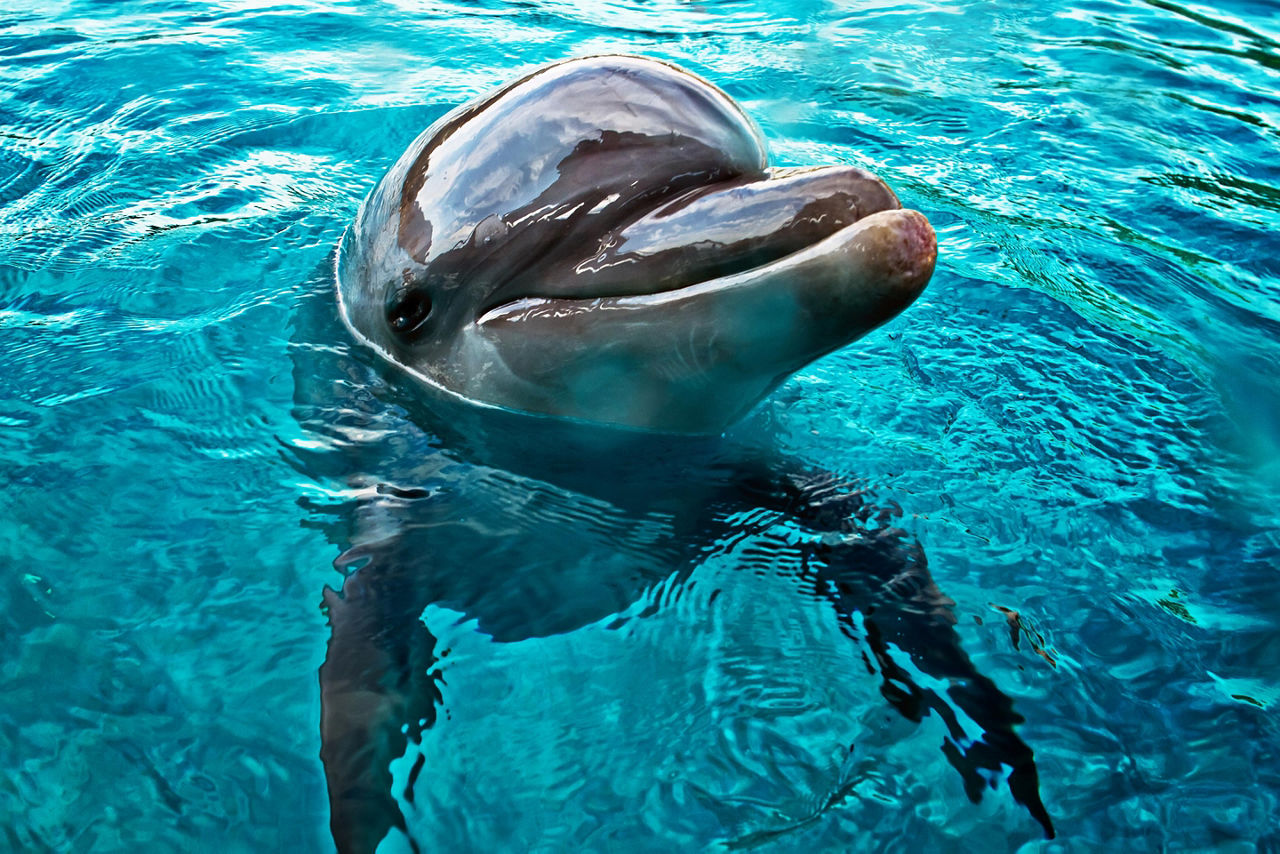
[[590, 267], [604, 240]]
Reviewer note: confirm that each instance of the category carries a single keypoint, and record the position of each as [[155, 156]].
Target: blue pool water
[[1080, 421]]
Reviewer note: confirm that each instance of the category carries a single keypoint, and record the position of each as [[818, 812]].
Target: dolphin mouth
[[894, 250], [714, 347], [705, 234], [904, 259]]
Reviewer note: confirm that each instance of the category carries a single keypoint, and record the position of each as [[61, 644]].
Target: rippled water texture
[[1080, 422]]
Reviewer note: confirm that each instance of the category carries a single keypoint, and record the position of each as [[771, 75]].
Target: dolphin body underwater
[[565, 293]]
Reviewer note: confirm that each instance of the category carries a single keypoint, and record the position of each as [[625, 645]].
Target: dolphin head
[[603, 240]]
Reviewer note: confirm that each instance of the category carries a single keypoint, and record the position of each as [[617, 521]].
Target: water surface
[[1080, 421]]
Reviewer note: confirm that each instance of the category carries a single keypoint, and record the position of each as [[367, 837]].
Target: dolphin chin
[[603, 240]]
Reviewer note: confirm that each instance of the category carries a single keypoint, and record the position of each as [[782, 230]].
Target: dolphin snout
[[858, 278], [917, 252], [903, 247]]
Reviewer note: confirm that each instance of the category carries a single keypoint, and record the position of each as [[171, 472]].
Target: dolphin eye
[[407, 311]]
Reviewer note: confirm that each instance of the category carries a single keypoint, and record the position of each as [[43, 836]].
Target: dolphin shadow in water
[[665, 501], [375, 678], [569, 271]]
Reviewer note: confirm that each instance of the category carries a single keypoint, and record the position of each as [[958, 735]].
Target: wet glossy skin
[[603, 240]]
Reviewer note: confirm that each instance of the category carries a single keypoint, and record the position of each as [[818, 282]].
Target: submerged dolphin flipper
[[880, 586], [375, 695]]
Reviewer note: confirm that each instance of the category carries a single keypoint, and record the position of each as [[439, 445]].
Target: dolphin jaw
[[687, 360], [694, 359], [904, 271]]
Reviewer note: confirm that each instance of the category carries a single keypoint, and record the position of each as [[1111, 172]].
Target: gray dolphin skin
[[604, 240]]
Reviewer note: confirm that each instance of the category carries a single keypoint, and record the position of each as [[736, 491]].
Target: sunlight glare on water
[[1079, 420]]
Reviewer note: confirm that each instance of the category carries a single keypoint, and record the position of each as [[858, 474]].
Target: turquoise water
[[1080, 421]]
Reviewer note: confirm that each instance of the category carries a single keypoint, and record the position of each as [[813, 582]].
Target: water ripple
[[1080, 421]]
